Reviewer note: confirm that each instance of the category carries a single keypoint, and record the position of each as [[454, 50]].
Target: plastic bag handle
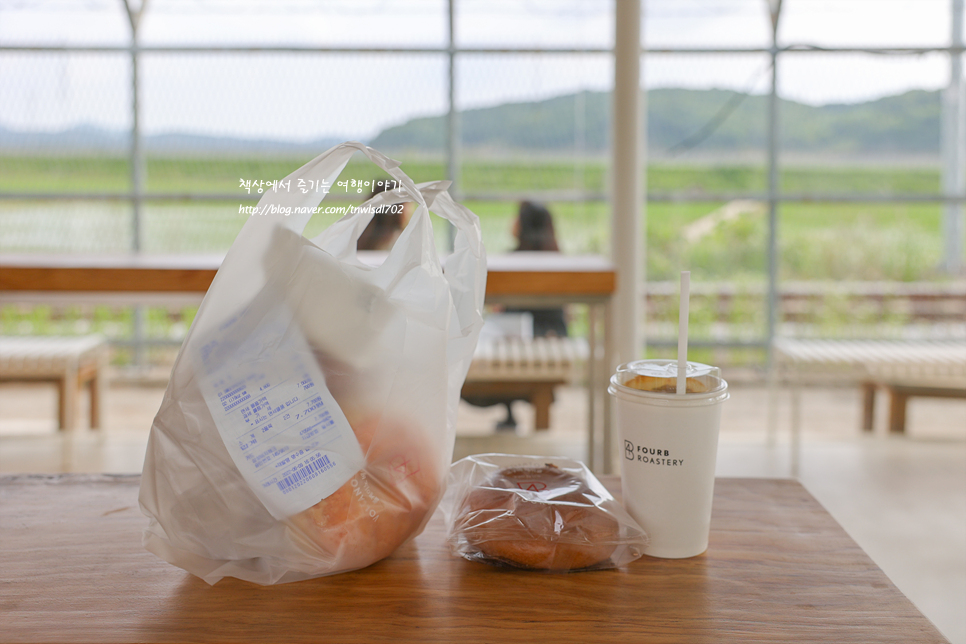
[[327, 167], [340, 238], [291, 209]]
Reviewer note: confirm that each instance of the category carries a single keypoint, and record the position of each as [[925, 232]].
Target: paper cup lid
[[661, 376]]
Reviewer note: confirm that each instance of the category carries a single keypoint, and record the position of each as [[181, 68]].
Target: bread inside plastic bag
[[539, 513]]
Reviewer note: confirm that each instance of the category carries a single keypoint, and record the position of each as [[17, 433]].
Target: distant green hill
[[907, 123]]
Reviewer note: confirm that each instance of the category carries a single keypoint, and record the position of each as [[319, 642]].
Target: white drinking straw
[[682, 386]]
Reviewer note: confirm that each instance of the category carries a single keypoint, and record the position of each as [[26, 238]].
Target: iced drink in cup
[[669, 444]]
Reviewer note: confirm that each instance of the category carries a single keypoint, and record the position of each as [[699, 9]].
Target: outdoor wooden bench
[[70, 362], [903, 368], [526, 369], [898, 398]]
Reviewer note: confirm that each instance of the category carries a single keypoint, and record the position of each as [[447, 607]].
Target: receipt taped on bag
[[284, 431]]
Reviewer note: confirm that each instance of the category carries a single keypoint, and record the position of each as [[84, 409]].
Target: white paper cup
[[669, 445]]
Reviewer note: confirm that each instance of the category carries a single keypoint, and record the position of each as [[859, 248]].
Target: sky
[[301, 97]]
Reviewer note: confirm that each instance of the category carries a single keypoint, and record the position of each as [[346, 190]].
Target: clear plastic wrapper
[[538, 513]]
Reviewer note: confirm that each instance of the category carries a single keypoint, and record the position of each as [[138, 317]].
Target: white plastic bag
[[310, 418]]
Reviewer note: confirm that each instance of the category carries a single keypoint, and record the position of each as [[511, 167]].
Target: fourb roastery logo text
[[650, 455]]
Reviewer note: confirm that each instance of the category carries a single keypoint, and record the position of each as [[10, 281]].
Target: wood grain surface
[[541, 274], [108, 273], [517, 275], [779, 569]]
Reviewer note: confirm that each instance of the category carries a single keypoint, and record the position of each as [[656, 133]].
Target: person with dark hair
[[387, 222], [533, 229]]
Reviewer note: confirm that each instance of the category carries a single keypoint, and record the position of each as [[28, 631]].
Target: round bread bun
[[665, 385], [381, 506], [538, 517]]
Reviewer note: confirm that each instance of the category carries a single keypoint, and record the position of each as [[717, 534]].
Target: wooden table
[[522, 279], [779, 569], [515, 277]]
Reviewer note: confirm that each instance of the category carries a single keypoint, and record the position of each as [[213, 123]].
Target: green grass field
[[211, 174], [818, 241], [874, 241]]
